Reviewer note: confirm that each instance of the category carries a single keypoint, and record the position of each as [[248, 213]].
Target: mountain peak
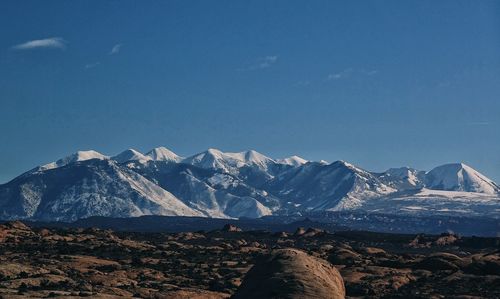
[[401, 172], [255, 157], [460, 177], [163, 154], [76, 157], [237, 184], [130, 155], [345, 164], [293, 161], [213, 151], [228, 161], [403, 178], [252, 152], [87, 155]]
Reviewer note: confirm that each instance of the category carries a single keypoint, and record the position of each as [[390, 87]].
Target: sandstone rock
[[281, 234], [291, 273], [231, 228], [446, 239], [373, 251], [344, 257], [485, 265], [436, 264], [313, 232], [17, 225], [300, 231], [193, 294], [452, 258]]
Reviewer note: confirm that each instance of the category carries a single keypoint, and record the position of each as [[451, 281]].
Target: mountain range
[[235, 185]]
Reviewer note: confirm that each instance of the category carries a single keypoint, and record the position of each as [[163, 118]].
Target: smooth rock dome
[[291, 273]]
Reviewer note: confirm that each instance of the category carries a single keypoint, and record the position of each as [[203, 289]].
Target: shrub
[[23, 287]]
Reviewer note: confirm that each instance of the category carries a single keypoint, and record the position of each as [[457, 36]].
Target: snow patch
[[131, 155], [292, 161], [76, 157], [163, 154]]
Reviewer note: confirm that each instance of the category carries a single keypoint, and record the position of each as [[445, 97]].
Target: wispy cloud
[[116, 49], [91, 65], [339, 75], [350, 72], [479, 123], [261, 63], [266, 62], [47, 43], [304, 82], [368, 72]]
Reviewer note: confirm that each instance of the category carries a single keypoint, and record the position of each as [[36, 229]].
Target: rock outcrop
[[291, 273]]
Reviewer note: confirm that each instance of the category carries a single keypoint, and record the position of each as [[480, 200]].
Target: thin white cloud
[[479, 123], [266, 62], [92, 65], [350, 72], [335, 76], [343, 74], [368, 72], [47, 43], [261, 63], [116, 49]]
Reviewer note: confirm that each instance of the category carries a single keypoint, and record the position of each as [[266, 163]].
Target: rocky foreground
[[40, 262]]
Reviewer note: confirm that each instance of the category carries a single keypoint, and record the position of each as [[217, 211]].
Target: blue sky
[[376, 83]]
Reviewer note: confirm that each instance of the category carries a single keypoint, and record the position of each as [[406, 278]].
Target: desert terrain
[[70, 262]]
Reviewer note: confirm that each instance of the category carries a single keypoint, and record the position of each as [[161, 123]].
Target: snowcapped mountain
[[213, 193], [232, 185], [214, 201], [460, 177], [427, 202], [316, 186], [131, 155], [163, 154], [89, 188], [229, 162], [76, 157], [293, 161], [403, 178]]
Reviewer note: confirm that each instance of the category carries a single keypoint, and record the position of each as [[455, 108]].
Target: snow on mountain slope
[[89, 188], [214, 193], [244, 184], [403, 178], [426, 202], [229, 162], [366, 186], [216, 203], [76, 157], [292, 161], [255, 158], [215, 159], [234, 185], [460, 177], [131, 155], [455, 195], [163, 154], [315, 186]]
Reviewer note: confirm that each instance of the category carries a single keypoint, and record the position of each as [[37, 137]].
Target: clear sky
[[377, 83]]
